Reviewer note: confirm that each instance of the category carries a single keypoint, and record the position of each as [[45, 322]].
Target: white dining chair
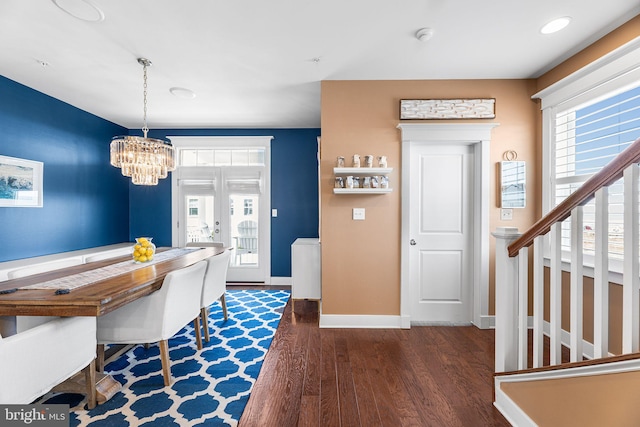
[[215, 286], [35, 360], [158, 316]]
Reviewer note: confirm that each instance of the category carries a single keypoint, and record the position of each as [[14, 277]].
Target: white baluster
[[555, 295], [523, 307], [576, 297], [601, 276], [630, 281], [506, 334], [538, 301]]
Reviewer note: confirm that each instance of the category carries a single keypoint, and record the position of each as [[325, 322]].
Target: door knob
[[412, 242]]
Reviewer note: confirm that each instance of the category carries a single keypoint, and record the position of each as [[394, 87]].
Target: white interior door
[[440, 255]]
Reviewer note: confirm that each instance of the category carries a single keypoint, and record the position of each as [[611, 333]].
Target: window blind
[[587, 138]]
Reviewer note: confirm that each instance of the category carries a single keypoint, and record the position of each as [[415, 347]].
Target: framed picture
[[443, 109], [20, 182]]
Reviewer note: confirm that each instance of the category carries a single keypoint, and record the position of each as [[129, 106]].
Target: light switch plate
[[274, 213], [506, 214], [358, 214]]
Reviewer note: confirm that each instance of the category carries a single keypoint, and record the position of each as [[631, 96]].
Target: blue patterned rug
[[210, 387]]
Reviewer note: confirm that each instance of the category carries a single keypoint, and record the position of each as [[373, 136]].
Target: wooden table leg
[[106, 387]]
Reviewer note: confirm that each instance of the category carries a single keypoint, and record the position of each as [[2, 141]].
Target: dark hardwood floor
[[424, 376]]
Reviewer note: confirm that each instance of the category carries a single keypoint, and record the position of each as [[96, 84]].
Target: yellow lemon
[[137, 247], [143, 258], [142, 240], [149, 257], [149, 251], [136, 253]]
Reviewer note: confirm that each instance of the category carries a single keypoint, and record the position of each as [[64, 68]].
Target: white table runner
[[87, 277]]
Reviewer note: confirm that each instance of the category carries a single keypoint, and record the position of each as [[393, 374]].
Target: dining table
[[94, 289]]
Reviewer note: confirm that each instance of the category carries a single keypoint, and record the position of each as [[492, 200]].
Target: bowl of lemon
[[144, 250]]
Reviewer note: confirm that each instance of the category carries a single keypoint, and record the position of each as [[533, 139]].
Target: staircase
[[540, 312]]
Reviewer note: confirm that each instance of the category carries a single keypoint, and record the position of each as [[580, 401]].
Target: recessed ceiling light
[[555, 25], [80, 9], [183, 93]]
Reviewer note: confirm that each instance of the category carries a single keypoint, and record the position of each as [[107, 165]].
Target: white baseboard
[[281, 281], [487, 322], [346, 321], [511, 411]]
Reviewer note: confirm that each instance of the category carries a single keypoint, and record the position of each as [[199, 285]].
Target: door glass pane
[[199, 216], [243, 213]]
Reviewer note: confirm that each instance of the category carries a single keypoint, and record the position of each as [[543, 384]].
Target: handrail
[[607, 176]]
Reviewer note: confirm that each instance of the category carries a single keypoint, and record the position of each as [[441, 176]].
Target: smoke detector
[[424, 34]]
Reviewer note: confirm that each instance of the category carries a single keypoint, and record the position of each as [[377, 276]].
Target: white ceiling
[[259, 63]]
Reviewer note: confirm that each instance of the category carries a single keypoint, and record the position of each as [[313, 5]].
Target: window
[[193, 207], [586, 138], [222, 157], [248, 207]]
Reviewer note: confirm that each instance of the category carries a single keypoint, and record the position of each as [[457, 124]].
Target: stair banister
[[512, 260], [605, 177]]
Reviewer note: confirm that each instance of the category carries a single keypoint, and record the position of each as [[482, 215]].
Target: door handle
[[412, 242]]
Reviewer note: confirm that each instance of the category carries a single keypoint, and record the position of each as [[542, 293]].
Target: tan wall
[[361, 259]]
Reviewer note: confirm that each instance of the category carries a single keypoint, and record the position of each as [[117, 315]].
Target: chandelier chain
[[145, 128]]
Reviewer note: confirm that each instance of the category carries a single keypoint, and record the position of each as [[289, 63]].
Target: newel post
[[506, 317]]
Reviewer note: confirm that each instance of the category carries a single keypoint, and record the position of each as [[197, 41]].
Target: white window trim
[[615, 71]]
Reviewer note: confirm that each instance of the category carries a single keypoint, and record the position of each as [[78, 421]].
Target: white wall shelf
[[362, 172], [362, 190]]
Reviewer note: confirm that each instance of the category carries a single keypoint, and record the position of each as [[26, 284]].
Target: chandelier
[[144, 159]]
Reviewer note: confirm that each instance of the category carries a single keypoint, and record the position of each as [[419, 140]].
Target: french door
[[228, 204]]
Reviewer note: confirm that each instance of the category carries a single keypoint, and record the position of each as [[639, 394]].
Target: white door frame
[[264, 238], [478, 135]]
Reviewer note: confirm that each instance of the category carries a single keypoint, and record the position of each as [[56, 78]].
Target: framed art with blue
[[20, 182]]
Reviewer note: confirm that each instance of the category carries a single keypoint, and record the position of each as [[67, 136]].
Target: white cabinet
[[362, 172], [305, 269]]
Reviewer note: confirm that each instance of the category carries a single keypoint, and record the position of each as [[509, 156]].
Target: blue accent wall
[[86, 200], [294, 192], [88, 203]]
